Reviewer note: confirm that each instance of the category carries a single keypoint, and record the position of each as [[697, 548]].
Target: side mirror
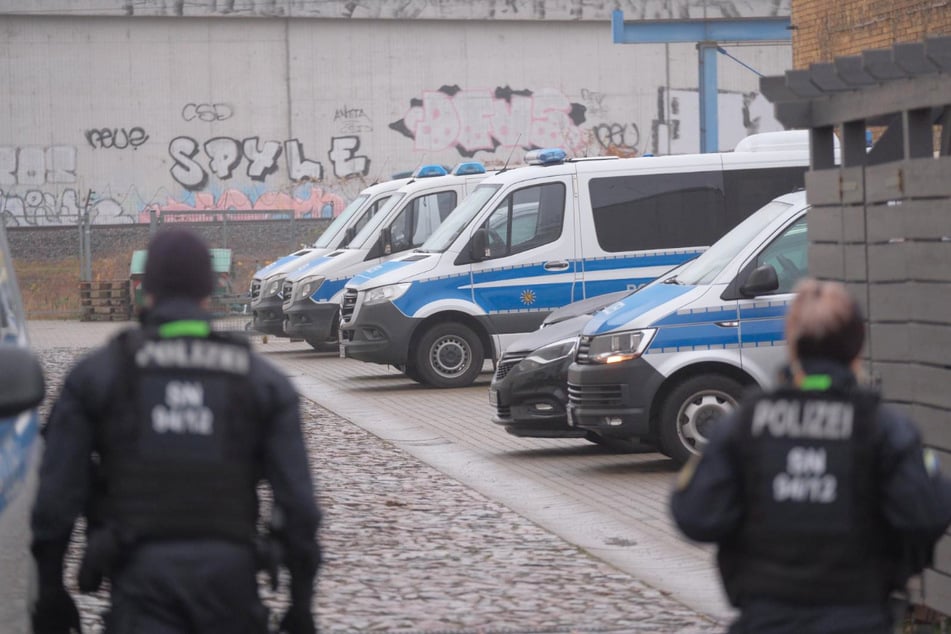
[[479, 246], [21, 381], [761, 280], [349, 235], [386, 240]]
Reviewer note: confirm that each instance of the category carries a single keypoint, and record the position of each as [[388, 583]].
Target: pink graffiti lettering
[[317, 203], [473, 120]]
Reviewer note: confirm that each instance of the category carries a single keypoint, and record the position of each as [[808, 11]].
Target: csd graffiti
[[223, 156], [473, 120]]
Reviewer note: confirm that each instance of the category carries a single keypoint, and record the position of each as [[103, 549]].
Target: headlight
[[549, 353], [386, 293], [307, 286], [272, 286], [619, 346]]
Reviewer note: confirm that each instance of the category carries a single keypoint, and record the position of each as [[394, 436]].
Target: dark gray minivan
[[21, 390]]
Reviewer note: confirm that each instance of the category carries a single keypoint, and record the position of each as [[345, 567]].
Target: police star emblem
[[528, 297]]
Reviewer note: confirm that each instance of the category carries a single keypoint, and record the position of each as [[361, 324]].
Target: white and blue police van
[[21, 390], [530, 241], [311, 294], [267, 283], [664, 363]]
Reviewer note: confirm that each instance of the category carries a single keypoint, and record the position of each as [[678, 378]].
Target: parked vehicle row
[[21, 390], [435, 286], [659, 365]]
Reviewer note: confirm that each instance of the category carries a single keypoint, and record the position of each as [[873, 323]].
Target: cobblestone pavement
[[409, 549]]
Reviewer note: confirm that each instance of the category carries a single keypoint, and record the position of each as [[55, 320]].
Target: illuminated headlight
[[619, 346], [307, 286], [272, 286], [551, 352], [386, 293]]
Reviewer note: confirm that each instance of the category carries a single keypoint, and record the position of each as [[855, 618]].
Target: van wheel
[[690, 411], [332, 342], [449, 354]]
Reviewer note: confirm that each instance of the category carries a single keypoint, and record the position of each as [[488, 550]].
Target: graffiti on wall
[[40, 208], [350, 120], [474, 120], [676, 130], [37, 165], [116, 138], [306, 201], [207, 112], [457, 9], [617, 139], [223, 156]]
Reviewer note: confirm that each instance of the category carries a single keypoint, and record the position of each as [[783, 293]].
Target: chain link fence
[[52, 261]]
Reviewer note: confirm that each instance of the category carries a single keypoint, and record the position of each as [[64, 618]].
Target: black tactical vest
[[812, 532], [180, 448]]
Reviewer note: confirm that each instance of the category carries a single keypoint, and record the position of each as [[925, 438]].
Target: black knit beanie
[[178, 264]]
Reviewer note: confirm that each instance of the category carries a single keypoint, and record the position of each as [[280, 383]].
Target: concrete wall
[[405, 9], [825, 30], [127, 114]]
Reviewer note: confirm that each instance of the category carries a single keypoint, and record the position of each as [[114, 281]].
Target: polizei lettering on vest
[[821, 420], [195, 354]]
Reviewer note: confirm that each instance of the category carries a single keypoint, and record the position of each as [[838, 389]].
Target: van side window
[[526, 219], [788, 254], [659, 211], [419, 219], [749, 189]]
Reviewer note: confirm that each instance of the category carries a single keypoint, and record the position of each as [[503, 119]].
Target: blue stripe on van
[[16, 451], [378, 270], [700, 336], [631, 260], [446, 288], [328, 289]]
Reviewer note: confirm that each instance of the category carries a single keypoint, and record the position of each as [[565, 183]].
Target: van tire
[[449, 354], [690, 410]]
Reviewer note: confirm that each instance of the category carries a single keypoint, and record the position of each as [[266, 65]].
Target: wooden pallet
[[105, 300]]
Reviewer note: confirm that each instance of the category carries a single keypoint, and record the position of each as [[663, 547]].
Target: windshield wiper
[[673, 280]]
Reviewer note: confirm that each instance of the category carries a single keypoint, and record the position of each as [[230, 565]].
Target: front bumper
[[613, 400], [267, 316], [381, 334], [530, 399], [311, 321]]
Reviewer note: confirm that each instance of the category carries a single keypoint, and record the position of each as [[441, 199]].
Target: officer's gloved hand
[[55, 612], [298, 620]]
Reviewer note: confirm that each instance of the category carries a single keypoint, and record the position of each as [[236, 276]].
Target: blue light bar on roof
[[547, 156], [427, 171], [470, 167]]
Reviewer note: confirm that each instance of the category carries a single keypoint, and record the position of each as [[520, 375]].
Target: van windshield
[[339, 225], [460, 218], [708, 264], [371, 230]]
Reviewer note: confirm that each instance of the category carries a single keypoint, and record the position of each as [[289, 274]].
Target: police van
[[268, 282], [560, 230], [21, 390], [663, 363], [310, 295]]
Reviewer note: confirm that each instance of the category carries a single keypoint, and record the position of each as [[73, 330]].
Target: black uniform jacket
[[65, 475]]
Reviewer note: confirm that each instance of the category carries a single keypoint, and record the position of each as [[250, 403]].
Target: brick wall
[[825, 29]]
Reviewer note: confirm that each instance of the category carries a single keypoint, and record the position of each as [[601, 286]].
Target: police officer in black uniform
[[821, 500], [160, 439]]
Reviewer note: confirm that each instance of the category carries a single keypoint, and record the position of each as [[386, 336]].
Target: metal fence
[[51, 261]]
